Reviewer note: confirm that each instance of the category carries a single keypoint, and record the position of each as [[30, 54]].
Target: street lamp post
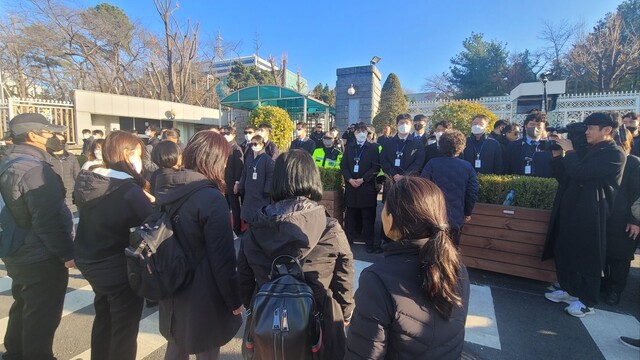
[[545, 78]]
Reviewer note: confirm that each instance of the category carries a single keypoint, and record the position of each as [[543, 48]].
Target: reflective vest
[[322, 161]]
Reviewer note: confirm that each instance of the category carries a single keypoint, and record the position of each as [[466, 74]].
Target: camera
[[575, 132]]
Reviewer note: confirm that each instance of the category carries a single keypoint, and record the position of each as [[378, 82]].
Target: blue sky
[[415, 39]]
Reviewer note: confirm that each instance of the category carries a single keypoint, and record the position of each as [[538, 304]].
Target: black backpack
[[283, 322], [158, 266]]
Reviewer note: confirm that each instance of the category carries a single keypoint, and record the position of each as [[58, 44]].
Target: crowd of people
[[269, 200]]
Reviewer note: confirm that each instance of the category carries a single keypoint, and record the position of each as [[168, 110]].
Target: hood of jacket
[[19, 150], [92, 186], [172, 186], [293, 226]]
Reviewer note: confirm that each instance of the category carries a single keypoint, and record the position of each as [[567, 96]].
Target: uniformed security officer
[[327, 156]]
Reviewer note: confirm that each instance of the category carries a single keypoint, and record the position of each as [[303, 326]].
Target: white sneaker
[[560, 296], [578, 309]]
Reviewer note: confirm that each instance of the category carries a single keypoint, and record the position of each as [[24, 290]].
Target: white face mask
[[229, 138], [438, 134], [148, 133], [98, 154], [248, 137], [404, 129], [361, 137], [136, 162], [86, 136], [431, 141], [477, 129], [256, 148], [298, 132], [334, 133]]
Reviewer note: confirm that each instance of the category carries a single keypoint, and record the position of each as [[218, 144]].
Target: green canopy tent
[[296, 104]]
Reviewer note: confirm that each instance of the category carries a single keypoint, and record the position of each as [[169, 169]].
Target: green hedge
[[331, 179], [530, 192]]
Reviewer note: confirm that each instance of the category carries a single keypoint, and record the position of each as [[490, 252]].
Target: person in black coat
[[525, 156], [622, 228], [148, 166], [631, 123], [249, 132], [359, 166], [588, 183], [348, 137], [432, 151], [302, 141], [296, 225], [111, 200], [482, 152], [413, 303], [232, 175], [167, 157], [457, 180], [255, 181], [270, 148], [498, 135], [38, 224], [204, 315], [64, 164], [420, 129], [385, 136], [317, 135]]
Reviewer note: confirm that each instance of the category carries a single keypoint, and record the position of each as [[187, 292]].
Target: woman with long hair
[[111, 199], [296, 225], [205, 314], [413, 303]]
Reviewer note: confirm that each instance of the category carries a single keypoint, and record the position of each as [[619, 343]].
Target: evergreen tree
[[392, 103]]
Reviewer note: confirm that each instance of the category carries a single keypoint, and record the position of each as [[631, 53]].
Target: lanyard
[[255, 162], [476, 149], [399, 151], [358, 155]]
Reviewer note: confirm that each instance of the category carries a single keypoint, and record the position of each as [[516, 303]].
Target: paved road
[[508, 319]]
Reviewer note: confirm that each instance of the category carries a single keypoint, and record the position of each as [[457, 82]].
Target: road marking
[[149, 339], [5, 283], [73, 301], [481, 327], [606, 327]]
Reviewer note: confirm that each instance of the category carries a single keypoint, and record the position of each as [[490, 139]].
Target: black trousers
[[175, 352], [234, 205], [38, 291], [367, 218], [615, 274], [118, 310]]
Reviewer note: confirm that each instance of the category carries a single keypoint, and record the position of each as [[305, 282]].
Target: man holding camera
[[526, 156], [588, 180]]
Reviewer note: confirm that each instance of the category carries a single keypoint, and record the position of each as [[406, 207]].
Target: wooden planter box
[[333, 201], [508, 240]]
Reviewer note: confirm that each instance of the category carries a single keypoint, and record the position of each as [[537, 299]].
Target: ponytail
[[440, 266]]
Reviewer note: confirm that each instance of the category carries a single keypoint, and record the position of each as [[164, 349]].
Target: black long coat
[[256, 193], [585, 196], [368, 167], [200, 317], [235, 164], [619, 245]]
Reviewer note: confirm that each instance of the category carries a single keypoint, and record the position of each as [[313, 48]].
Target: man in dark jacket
[[360, 166], [270, 148], [482, 152], [588, 183], [65, 164], [433, 150], [147, 165], [232, 174], [630, 121], [302, 141], [420, 128], [37, 222], [317, 135], [385, 136], [525, 156]]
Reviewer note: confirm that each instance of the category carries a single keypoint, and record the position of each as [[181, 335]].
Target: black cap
[[26, 122], [600, 119]]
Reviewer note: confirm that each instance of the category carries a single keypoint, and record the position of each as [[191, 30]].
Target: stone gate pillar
[[362, 105]]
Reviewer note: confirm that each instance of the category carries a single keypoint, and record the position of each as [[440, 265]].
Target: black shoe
[[630, 342], [613, 298], [378, 250], [369, 249]]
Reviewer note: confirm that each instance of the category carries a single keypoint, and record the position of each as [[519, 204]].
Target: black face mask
[[54, 144], [418, 126], [632, 129]]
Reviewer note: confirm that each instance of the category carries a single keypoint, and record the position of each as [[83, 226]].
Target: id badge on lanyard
[[255, 174], [356, 167]]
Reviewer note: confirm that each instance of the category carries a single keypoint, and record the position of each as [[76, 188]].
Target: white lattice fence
[[569, 108], [58, 112]]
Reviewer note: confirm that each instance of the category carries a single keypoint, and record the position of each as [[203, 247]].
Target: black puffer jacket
[[200, 316], [67, 166], [35, 209], [299, 227], [394, 319]]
